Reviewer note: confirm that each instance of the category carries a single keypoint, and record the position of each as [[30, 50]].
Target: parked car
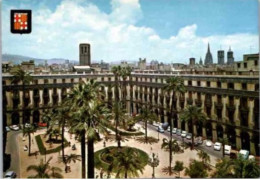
[[10, 175], [169, 129], [189, 136], [198, 140], [178, 132], [217, 146], [244, 153], [15, 127], [227, 149], [42, 124], [251, 157], [174, 130], [183, 134], [27, 125], [7, 129], [208, 143], [160, 129]]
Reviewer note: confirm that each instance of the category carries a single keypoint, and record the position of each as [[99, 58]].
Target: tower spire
[[208, 48]]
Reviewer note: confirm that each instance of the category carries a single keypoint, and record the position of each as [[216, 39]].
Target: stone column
[[9, 99], [59, 95], [203, 102], [50, 95], [251, 114], [31, 118], [204, 134], [238, 139], [20, 117], [214, 132], [31, 98], [224, 109], [236, 114], [252, 144], [8, 119], [41, 97], [224, 132], [21, 99], [213, 109]]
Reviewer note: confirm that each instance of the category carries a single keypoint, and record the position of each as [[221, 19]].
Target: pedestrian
[[104, 143], [32, 140]]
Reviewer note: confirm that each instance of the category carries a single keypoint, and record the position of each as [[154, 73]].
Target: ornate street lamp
[[153, 162]]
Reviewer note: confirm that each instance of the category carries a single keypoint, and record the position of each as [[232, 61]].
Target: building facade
[[84, 54], [231, 102], [221, 57], [208, 57]]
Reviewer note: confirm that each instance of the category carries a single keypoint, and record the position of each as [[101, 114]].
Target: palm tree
[[70, 158], [178, 167], [174, 85], [62, 116], [237, 168], [223, 141], [146, 116], [27, 131], [192, 115], [47, 117], [124, 73], [20, 75], [204, 157], [116, 70], [88, 118], [127, 164], [196, 169], [44, 170]]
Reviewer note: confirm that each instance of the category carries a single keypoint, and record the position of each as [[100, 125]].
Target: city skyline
[[126, 30]]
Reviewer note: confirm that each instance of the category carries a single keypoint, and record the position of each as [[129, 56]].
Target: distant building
[[84, 55], [28, 66], [142, 64], [221, 57], [208, 58], [6, 66], [230, 58], [250, 63], [201, 62], [192, 61]]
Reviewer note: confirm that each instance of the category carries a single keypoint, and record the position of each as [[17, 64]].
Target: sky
[[163, 30]]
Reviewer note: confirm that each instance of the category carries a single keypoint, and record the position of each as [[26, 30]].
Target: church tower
[[221, 56], [84, 54], [208, 58], [201, 62], [230, 58]]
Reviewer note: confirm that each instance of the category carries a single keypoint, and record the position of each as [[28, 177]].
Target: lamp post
[[153, 162]]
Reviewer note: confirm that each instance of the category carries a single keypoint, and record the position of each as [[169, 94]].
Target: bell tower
[[84, 54]]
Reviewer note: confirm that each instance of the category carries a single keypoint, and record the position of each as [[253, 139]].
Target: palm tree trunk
[[126, 175], [29, 151], [62, 142], [116, 114], [170, 123], [23, 105], [223, 149], [83, 154], [91, 167], [192, 135]]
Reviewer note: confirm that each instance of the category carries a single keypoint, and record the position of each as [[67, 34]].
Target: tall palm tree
[[27, 131], [124, 73], [204, 157], [223, 141], [47, 117], [44, 170], [62, 116], [116, 70], [192, 115], [88, 118], [146, 116], [127, 164], [174, 85], [20, 75]]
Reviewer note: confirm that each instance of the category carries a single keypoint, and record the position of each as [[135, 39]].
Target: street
[[13, 149]]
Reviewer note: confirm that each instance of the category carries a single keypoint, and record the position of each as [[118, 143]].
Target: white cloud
[[113, 36]]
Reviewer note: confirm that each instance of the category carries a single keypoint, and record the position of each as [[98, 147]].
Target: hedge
[[123, 133], [42, 148]]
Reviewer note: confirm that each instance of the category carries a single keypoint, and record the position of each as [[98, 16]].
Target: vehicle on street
[[227, 149], [244, 153], [10, 175], [208, 143], [217, 146], [25, 148], [27, 125], [15, 127], [169, 129], [198, 140], [160, 129], [251, 157], [7, 129], [183, 134], [174, 130], [178, 132], [189, 136], [41, 124]]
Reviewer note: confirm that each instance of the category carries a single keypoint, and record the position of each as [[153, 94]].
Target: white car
[[14, 127], [208, 143], [10, 175], [217, 146], [27, 125], [160, 129], [227, 149], [178, 132], [169, 129], [189, 136], [183, 134], [251, 157], [174, 130], [7, 129]]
